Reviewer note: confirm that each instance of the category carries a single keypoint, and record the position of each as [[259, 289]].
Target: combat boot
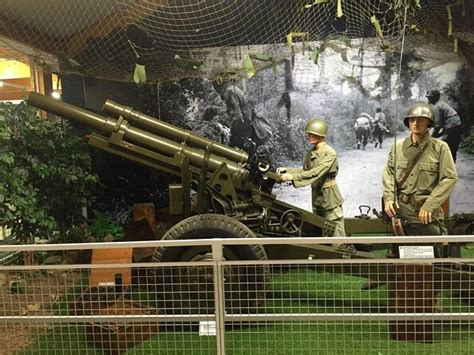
[[376, 144]]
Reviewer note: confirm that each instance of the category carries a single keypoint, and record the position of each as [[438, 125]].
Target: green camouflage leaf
[[249, 67]]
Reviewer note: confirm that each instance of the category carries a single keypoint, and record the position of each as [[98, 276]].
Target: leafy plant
[[45, 174], [470, 144], [461, 92], [103, 226]]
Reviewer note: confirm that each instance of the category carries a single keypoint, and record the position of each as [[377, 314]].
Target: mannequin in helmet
[[419, 198], [448, 123], [319, 170]]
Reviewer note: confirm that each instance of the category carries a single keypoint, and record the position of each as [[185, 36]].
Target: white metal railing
[[167, 304]]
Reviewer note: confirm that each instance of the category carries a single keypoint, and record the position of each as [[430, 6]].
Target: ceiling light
[[56, 95]]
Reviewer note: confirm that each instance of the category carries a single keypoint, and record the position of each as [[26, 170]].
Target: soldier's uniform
[[362, 129], [448, 126], [379, 128], [319, 170], [240, 112], [429, 184]]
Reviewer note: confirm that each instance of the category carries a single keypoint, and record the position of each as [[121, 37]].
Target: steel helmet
[[316, 126], [421, 109]]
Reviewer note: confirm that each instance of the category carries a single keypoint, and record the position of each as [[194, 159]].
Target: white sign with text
[[416, 252]]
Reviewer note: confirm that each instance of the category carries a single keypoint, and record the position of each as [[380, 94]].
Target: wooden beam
[[15, 89], [105, 26]]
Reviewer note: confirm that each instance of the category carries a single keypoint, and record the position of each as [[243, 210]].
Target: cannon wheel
[[190, 289]]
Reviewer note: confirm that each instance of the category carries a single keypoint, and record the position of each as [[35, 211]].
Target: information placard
[[416, 251], [207, 328]]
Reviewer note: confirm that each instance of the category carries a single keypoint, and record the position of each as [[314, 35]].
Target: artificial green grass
[[290, 291], [299, 338]]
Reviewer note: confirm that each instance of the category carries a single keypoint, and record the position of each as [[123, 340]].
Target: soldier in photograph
[[363, 128], [320, 168], [248, 130], [380, 127], [448, 123], [239, 110], [422, 176]]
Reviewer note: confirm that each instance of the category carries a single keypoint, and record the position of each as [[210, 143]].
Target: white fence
[[209, 303]]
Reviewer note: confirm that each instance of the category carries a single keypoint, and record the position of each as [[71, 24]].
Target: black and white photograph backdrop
[[239, 70], [350, 79]]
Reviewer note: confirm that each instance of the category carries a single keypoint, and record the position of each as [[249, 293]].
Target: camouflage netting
[[188, 38]]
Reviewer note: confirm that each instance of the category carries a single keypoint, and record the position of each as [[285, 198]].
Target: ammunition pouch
[[406, 199], [412, 200]]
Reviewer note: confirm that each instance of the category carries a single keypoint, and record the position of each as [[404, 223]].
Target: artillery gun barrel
[[174, 132], [107, 125]]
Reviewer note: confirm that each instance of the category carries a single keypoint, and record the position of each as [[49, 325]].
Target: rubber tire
[[190, 290]]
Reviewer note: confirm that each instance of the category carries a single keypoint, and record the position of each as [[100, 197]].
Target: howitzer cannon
[[233, 196], [226, 181], [233, 200]]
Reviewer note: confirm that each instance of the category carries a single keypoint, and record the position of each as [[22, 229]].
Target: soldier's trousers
[[335, 215], [453, 138]]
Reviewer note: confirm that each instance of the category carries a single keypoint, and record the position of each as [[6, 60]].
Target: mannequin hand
[[390, 208], [424, 216], [287, 177]]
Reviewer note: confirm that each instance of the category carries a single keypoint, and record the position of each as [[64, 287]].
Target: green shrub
[[103, 226], [45, 174]]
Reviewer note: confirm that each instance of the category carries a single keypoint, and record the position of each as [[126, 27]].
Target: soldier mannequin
[[429, 183], [319, 170], [448, 123]]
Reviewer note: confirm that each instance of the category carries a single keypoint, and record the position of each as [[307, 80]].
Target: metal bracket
[[202, 180], [116, 137]]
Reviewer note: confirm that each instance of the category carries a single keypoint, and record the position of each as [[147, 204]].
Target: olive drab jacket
[[320, 168], [432, 179]]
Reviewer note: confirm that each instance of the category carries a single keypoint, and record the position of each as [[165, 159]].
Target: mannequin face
[[314, 139], [418, 125]]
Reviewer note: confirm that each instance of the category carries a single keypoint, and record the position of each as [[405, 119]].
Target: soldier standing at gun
[[448, 123], [422, 176], [380, 127], [319, 170]]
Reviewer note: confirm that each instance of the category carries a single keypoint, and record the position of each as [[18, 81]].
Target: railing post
[[219, 305]]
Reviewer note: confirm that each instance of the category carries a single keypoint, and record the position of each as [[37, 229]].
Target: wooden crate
[[118, 337], [412, 291], [111, 276]]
